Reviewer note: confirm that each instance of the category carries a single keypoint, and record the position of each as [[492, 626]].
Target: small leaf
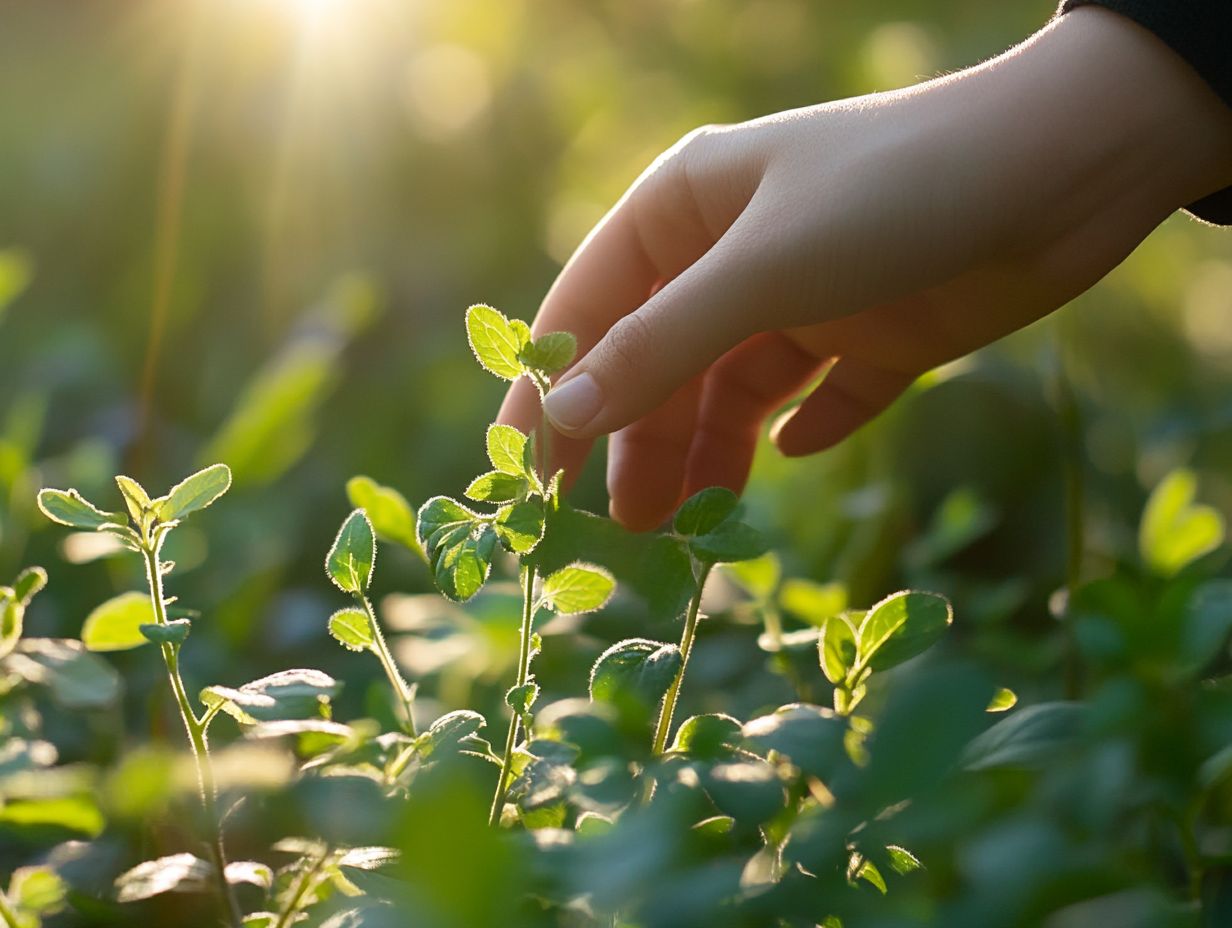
[[1002, 700], [520, 526], [704, 511], [116, 624], [578, 588], [350, 561], [249, 871], [68, 507], [195, 492], [38, 890], [351, 629], [507, 450], [135, 497], [869, 872], [635, 667], [730, 541], [495, 342], [179, 873], [12, 619], [707, 737], [29, 583], [1175, 531], [77, 679], [1026, 738], [459, 544], [288, 694], [497, 487], [391, 515], [837, 644], [760, 576], [902, 861], [521, 698], [813, 602], [901, 626], [549, 353], [453, 730], [811, 737], [174, 632]]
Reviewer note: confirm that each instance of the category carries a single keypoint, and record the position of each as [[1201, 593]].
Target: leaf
[[902, 861], [1206, 624], [704, 511], [813, 602], [521, 698], [195, 492], [77, 679], [760, 576], [507, 450], [635, 667], [351, 559], [707, 737], [369, 858], [1175, 531], [811, 737], [39, 890], [837, 646], [453, 730], [901, 626], [135, 497], [870, 873], [174, 632], [459, 544], [578, 588], [391, 515], [116, 624], [1002, 701], [78, 813], [68, 507], [520, 526], [29, 583], [12, 619], [178, 873], [730, 541], [351, 629], [249, 871], [495, 342], [497, 487], [288, 694], [549, 353], [1026, 738], [748, 790]]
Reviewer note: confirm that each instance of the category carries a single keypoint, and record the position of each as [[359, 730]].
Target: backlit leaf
[[1175, 530], [391, 515], [351, 559], [68, 507], [704, 511], [550, 353], [351, 629], [116, 624], [901, 626], [195, 492], [635, 667], [496, 487], [495, 342], [507, 450], [578, 588]]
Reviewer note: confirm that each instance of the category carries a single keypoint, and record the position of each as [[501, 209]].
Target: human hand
[[881, 235]]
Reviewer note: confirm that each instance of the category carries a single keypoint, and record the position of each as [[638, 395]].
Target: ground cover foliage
[[884, 775]]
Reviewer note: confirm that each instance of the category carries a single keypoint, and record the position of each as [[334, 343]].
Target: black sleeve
[[1200, 31]]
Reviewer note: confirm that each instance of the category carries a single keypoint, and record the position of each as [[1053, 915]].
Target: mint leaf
[[495, 342], [497, 487], [520, 526], [549, 353], [391, 515], [460, 545], [637, 668], [507, 450], [351, 559], [195, 492], [1175, 530], [900, 627], [68, 507], [116, 624], [578, 588], [351, 629], [704, 511]]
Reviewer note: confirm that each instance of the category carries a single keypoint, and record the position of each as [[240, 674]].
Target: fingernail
[[574, 403]]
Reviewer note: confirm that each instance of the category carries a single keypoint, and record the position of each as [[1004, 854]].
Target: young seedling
[[144, 530], [350, 565]]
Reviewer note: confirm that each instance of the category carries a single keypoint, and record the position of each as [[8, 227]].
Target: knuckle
[[626, 346]]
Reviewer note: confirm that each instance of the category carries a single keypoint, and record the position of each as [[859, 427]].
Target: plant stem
[[528, 613], [686, 647], [301, 889], [197, 737], [7, 913], [403, 690]]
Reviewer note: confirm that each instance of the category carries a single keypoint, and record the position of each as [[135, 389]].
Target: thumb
[[674, 336]]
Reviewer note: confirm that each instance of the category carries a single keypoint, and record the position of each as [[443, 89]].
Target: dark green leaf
[[1027, 737], [453, 730], [288, 694], [351, 559], [68, 507], [29, 583], [174, 632], [704, 511], [77, 679], [730, 541], [520, 526], [1206, 624], [635, 667], [811, 737], [550, 353], [195, 492], [179, 873], [521, 698], [707, 737], [459, 545]]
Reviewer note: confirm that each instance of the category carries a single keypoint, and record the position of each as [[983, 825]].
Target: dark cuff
[[1200, 31]]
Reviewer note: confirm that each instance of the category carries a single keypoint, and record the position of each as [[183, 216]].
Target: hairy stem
[[686, 647], [197, 738], [528, 613], [404, 691], [287, 917]]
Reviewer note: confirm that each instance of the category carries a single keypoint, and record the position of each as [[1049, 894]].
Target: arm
[[883, 235]]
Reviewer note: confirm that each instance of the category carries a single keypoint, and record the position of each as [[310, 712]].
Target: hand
[[874, 237]]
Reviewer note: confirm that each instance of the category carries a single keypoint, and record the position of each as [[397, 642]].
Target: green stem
[[197, 738], [7, 913], [528, 613], [301, 889], [686, 648], [403, 690]]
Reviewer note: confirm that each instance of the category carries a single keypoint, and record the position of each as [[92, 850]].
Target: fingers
[[646, 461], [852, 393]]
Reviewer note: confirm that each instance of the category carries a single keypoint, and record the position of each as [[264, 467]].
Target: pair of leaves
[[13, 602], [391, 515], [513, 473], [184, 873], [1175, 530], [68, 507], [707, 522], [288, 694], [461, 543], [504, 346], [896, 629]]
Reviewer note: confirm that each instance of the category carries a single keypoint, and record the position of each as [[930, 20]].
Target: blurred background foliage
[[246, 230]]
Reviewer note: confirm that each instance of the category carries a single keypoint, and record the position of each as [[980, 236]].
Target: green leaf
[[707, 737], [1175, 531], [288, 694], [811, 737], [813, 602], [351, 629], [521, 698], [497, 487], [68, 507], [1206, 624], [635, 667], [195, 492], [459, 544], [520, 526], [495, 342], [747, 790], [549, 353], [39, 890], [704, 511], [351, 559], [16, 272], [12, 619], [179, 873], [1002, 700], [76, 678], [174, 632], [578, 588], [837, 645], [1027, 738], [390, 514], [116, 624], [452, 731], [507, 450], [135, 497], [902, 861], [78, 813], [730, 541], [901, 626], [760, 576], [29, 583], [869, 872]]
